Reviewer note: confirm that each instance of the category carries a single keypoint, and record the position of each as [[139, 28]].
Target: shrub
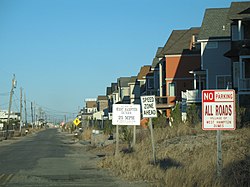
[[159, 122], [193, 114], [127, 135], [176, 114], [108, 127]]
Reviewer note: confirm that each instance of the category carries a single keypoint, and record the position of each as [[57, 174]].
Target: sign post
[[218, 113], [149, 111], [125, 114]]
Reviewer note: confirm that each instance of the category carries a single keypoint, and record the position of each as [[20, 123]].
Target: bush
[[108, 127], [127, 135], [242, 117], [159, 122], [176, 114], [193, 114]]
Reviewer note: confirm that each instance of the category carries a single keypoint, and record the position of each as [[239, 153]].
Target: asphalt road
[[51, 158]]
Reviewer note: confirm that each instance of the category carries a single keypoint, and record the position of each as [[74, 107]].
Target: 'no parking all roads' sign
[[218, 110]]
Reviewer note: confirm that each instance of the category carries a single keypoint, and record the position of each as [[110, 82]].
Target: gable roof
[[102, 97], [108, 91], [239, 10], [215, 24], [123, 81], [179, 42], [113, 87], [91, 104], [156, 59], [133, 79], [143, 72]]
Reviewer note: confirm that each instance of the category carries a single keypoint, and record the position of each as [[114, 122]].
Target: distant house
[[134, 90], [214, 38], [239, 54], [90, 105], [182, 55], [142, 78], [153, 77], [123, 90], [102, 103]]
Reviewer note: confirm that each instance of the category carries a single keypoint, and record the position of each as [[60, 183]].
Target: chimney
[[192, 43]]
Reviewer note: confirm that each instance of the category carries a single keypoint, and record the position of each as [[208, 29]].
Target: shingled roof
[[179, 42], [239, 10], [143, 72], [91, 104], [123, 81], [215, 24], [156, 59], [102, 97]]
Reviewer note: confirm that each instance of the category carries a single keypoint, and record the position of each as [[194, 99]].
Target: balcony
[[162, 102], [191, 96], [244, 84]]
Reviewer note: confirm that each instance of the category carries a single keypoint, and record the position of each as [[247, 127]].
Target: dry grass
[[186, 156], [87, 133]]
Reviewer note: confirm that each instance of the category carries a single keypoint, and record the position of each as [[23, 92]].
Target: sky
[[64, 51]]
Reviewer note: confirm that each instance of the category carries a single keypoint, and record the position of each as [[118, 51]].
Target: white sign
[[148, 106], [218, 110], [126, 114]]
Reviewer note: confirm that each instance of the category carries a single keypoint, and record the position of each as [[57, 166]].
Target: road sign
[[218, 110], [126, 114], [148, 106], [77, 122]]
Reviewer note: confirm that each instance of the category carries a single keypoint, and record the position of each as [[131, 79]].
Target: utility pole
[[10, 103], [35, 114], [32, 118], [25, 110], [21, 109]]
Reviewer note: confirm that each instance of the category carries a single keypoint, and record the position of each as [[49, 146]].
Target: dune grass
[[186, 156]]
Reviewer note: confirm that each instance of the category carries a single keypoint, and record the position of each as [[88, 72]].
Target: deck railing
[[191, 96], [244, 84]]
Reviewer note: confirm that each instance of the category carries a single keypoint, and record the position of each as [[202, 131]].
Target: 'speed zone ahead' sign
[[148, 106], [218, 110]]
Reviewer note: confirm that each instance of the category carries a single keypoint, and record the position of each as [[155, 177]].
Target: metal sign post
[[149, 111], [218, 113], [219, 154]]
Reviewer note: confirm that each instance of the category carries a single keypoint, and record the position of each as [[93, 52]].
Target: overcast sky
[[64, 51]]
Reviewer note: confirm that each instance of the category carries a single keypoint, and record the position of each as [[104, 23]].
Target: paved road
[[50, 158]]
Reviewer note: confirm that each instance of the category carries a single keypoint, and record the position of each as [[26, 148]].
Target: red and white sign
[[218, 110]]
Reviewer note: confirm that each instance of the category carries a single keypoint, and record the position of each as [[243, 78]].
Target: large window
[[171, 87], [151, 82], [236, 73], [246, 69]]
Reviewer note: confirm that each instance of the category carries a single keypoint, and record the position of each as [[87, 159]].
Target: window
[[236, 73], [223, 81], [236, 35], [150, 83], [246, 69], [171, 87]]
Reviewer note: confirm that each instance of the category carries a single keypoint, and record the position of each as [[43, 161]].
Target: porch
[[162, 102]]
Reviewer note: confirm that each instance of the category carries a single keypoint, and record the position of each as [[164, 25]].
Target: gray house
[[123, 90], [214, 38], [134, 90], [239, 55]]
